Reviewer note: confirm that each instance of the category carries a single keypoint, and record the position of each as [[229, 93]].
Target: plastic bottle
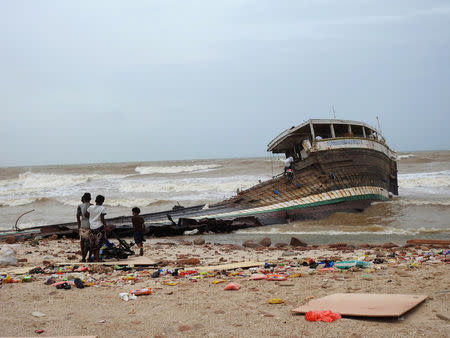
[[140, 292]]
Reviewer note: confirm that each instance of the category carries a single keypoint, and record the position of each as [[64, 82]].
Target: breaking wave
[[438, 179], [15, 202], [403, 156], [119, 202], [190, 185], [42, 181], [111, 202], [176, 169], [132, 202]]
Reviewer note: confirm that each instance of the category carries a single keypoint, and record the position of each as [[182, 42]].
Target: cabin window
[[358, 131], [322, 130], [341, 130]]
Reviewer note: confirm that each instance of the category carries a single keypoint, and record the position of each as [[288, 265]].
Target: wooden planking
[[364, 304]]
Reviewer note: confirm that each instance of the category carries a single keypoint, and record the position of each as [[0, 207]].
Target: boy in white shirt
[[97, 232]]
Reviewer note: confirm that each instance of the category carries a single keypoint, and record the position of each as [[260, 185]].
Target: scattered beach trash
[[36, 270], [141, 292], [127, 296], [7, 255], [276, 277], [81, 269], [38, 331], [218, 281], [27, 279], [63, 285], [258, 276], [348, 264], [78, 283], [275, 301], [37, 314], [169, 283], [232, 286], [49, 280], [324, 316]]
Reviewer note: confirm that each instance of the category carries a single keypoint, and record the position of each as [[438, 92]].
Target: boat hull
[[326, 182]]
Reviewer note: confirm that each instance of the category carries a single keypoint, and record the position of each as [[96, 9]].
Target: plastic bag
[[8, 255], [276, 277], [324, 316], [232, 286], [258, 276]]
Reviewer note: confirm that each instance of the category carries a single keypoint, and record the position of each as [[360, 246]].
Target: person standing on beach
[[97, 232], [138, 229], [83, 225]]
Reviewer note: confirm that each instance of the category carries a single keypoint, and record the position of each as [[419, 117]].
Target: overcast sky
[[112, 81]]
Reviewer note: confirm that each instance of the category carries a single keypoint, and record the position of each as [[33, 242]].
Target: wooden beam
[[312, 131], [333, 135]]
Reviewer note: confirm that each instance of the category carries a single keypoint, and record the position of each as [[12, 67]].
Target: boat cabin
[[297, 141]]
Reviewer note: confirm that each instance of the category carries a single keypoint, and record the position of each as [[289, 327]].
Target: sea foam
[[403, 156], [221, 186], [437, 179], [147, 170]]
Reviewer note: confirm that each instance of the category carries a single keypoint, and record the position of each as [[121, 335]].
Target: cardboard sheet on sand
[[230, 266], [130, 261], [363, 304]]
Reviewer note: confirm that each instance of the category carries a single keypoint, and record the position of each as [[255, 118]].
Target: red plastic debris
[[324, 316], [39, 331], [232, 286]]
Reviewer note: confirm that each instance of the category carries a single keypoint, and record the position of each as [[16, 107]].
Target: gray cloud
[[94, 81]]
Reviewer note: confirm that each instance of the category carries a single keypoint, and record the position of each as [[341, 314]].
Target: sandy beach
[[195, 306]]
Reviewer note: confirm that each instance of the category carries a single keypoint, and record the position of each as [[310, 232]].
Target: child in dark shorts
[[138, 229]]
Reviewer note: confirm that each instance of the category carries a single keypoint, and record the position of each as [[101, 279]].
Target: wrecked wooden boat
[[338, 165]]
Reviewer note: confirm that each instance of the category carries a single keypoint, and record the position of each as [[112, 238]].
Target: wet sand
[[196, 307]]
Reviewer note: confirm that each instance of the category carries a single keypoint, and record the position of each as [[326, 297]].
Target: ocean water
[[422, 209]]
